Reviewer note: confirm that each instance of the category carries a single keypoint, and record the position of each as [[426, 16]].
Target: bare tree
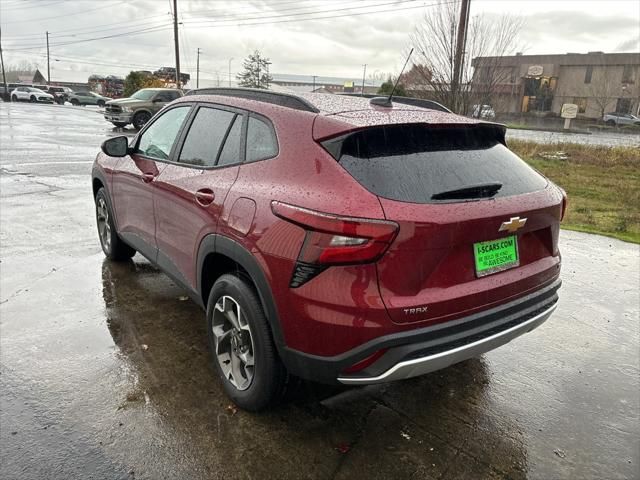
[[603, 89], [435, 42]]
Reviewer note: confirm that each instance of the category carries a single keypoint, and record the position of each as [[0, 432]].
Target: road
[[105, 371], [606, 138]]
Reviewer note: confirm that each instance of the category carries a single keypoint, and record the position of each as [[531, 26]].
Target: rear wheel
[[112, 246], [100, 103], [611, 123], [140, 118], [75, 102], [14, 98], [243, 351], [32, 99], [119, 124]]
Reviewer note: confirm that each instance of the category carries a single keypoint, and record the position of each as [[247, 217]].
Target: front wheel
[[14, 98], [139, 119], [611, 123], [75, 102], [243, 351], [119, 124], [112, 246], [101, 103], [32, 99]]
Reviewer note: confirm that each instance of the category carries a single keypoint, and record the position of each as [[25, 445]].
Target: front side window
[[157, 140], [206, 136], [261, 140]]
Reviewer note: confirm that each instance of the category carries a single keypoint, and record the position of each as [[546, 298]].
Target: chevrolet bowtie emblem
[[513, 224]]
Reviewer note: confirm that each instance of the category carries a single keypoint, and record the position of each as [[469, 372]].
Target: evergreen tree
[[255, 72]]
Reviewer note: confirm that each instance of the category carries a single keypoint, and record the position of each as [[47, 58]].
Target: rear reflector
[[362, 364]]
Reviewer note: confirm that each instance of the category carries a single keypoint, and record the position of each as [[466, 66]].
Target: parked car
[[87, 98], [333, 239], [31, 94], [140, 107], [60, 94], [613, 119], [483, 111]]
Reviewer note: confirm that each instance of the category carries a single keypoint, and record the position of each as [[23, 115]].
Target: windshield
[[144, 94]]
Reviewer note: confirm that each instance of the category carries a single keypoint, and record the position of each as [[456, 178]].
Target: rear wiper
[[482, 190]]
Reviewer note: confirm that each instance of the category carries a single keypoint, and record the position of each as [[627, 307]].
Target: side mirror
[[116, 146]]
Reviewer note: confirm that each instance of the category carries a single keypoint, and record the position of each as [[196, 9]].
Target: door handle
[[205, 197], [148, 177]]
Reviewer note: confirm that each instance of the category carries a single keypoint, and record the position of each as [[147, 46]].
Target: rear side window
[[206, 135], [261, 140], [412, 163]]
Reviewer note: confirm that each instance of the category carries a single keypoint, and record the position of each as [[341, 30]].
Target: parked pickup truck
[[139, 107]]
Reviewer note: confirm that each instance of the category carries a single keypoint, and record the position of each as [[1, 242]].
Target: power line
[[124, 34], [356, 14], [65, 15], [78, 31], [280, 15]]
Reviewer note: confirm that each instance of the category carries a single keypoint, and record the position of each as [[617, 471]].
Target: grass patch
[[602, 183]]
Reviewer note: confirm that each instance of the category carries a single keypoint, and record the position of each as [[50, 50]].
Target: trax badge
[[513, 224], [413, 311]]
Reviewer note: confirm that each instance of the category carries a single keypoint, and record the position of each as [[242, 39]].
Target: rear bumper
[[430, 363], [420, 351]]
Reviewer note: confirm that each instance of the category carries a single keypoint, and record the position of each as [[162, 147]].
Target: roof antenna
[[386, 101]]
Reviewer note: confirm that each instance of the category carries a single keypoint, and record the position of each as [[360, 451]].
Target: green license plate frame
[[495, 256]]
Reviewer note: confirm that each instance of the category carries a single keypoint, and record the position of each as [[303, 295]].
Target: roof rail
[[260, 95], [416, 102]]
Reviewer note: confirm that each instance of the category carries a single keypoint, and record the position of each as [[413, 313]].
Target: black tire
[[611, 123], [112, 245], [14, 98], [139, 119], [120, 124], [75, 102], [32, 99], [100, 103], [269, 377]]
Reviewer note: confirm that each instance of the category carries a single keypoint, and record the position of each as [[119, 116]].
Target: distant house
[[26, 76]]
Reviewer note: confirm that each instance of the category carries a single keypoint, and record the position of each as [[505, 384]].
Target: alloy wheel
[[234, 348], [104, 227]]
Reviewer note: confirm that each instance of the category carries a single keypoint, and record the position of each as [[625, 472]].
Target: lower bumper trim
[[420, 366]]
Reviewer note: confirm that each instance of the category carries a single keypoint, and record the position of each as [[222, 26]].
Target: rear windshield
[[412, 163]]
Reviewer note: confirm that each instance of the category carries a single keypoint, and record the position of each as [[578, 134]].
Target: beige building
[[597, 82]]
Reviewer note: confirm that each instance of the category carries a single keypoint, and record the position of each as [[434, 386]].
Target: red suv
[[336, 238]]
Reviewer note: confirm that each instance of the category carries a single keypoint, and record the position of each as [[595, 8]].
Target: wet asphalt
[[105, 373]]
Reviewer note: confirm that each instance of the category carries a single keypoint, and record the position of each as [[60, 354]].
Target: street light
[[230, 70]]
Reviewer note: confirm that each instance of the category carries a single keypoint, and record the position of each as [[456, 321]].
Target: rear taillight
[[334, 240], [565, 202]]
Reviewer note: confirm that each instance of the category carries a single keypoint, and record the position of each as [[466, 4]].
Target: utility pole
[[48, 66], [175, 41], [314, 83], [4, 77], [363, 75], [230, 70], [460, 41], [198, 68]]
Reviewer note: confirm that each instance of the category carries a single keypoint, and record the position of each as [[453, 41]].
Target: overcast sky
[[349, 36]]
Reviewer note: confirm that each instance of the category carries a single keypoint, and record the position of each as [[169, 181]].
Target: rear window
[[412, 163]]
